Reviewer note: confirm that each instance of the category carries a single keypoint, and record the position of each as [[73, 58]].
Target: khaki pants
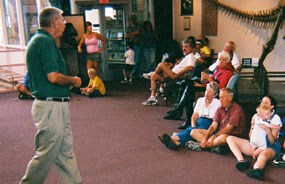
[[54, 144]]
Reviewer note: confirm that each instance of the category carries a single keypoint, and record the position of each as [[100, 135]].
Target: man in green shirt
[[51, 109]]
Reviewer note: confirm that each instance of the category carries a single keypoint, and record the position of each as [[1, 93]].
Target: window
[[1, 29], [93, 17], [11, 20], [30, 18]]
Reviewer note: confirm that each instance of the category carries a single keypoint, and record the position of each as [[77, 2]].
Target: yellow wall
[[249, 39]]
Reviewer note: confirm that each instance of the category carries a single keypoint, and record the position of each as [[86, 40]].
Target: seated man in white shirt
[[166, 70], [230, 45]]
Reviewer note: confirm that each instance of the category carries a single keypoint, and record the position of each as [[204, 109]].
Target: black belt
[[56, 99]]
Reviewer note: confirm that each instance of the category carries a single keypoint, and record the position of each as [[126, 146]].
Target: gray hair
[[225, 55], [47, 14], [190, 42], [229, 91], [215, 87]]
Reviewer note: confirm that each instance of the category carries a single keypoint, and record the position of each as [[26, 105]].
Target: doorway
[[163, 23]]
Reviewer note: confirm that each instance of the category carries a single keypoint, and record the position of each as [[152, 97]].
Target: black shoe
[[255, 173], [184, 125], [167, 141], [221, 150], [24, 96], [243, 165], [171, 117], [170, 112]]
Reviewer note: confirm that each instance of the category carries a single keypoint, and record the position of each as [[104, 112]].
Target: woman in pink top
[[91, 40]]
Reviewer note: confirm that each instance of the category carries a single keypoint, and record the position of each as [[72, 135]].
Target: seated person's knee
[[193, 132], [230, 139]]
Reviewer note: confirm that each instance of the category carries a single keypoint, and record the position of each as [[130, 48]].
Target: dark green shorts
[[95, 56]]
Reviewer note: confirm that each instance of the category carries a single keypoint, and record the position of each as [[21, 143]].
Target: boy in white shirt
[[129, 56]]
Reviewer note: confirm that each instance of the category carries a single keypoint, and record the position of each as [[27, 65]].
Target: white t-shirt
[[197, 55], [235, 63], [258, 135], [203, 111], [129, 55], [188, 60]]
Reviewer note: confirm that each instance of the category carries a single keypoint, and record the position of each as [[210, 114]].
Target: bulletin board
[[209, 19]]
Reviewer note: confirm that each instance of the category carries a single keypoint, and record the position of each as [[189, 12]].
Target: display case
[[115, 33]]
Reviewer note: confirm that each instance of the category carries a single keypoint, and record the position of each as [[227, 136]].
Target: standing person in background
[[94, 52], [134, 34], [149, 45], [51, 108], [129, 66]]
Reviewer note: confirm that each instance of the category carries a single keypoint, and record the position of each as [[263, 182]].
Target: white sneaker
[[147, 75], [124, 82], [150, 101], [192, 145]]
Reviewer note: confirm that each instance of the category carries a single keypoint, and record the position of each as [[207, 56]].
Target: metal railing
[[12, 68]]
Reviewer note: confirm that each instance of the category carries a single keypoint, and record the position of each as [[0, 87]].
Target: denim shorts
[[95, 57], [276, 146], [201, 123]]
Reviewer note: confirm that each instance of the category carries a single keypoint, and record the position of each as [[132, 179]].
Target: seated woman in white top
[[202, 118]]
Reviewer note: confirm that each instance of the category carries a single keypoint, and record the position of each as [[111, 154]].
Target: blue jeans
[[149, 56], [201, 123], [138, 58]]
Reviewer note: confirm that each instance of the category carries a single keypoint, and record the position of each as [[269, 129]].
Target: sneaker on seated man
[[166, 70], [147, 75], [151, 101], [165, 57], [280, 160]]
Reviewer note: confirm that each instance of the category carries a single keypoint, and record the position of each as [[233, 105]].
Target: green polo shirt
[[43, 57]]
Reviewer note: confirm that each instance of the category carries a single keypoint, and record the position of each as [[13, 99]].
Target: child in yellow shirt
[[95, 87]]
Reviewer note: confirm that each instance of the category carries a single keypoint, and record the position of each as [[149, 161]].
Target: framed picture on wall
[[186, 23], [186, 7]]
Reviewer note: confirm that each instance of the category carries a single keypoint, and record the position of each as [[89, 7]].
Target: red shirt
[[222, 76], [233, 115]]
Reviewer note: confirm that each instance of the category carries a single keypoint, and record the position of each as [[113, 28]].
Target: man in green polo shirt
[[51, 108]]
